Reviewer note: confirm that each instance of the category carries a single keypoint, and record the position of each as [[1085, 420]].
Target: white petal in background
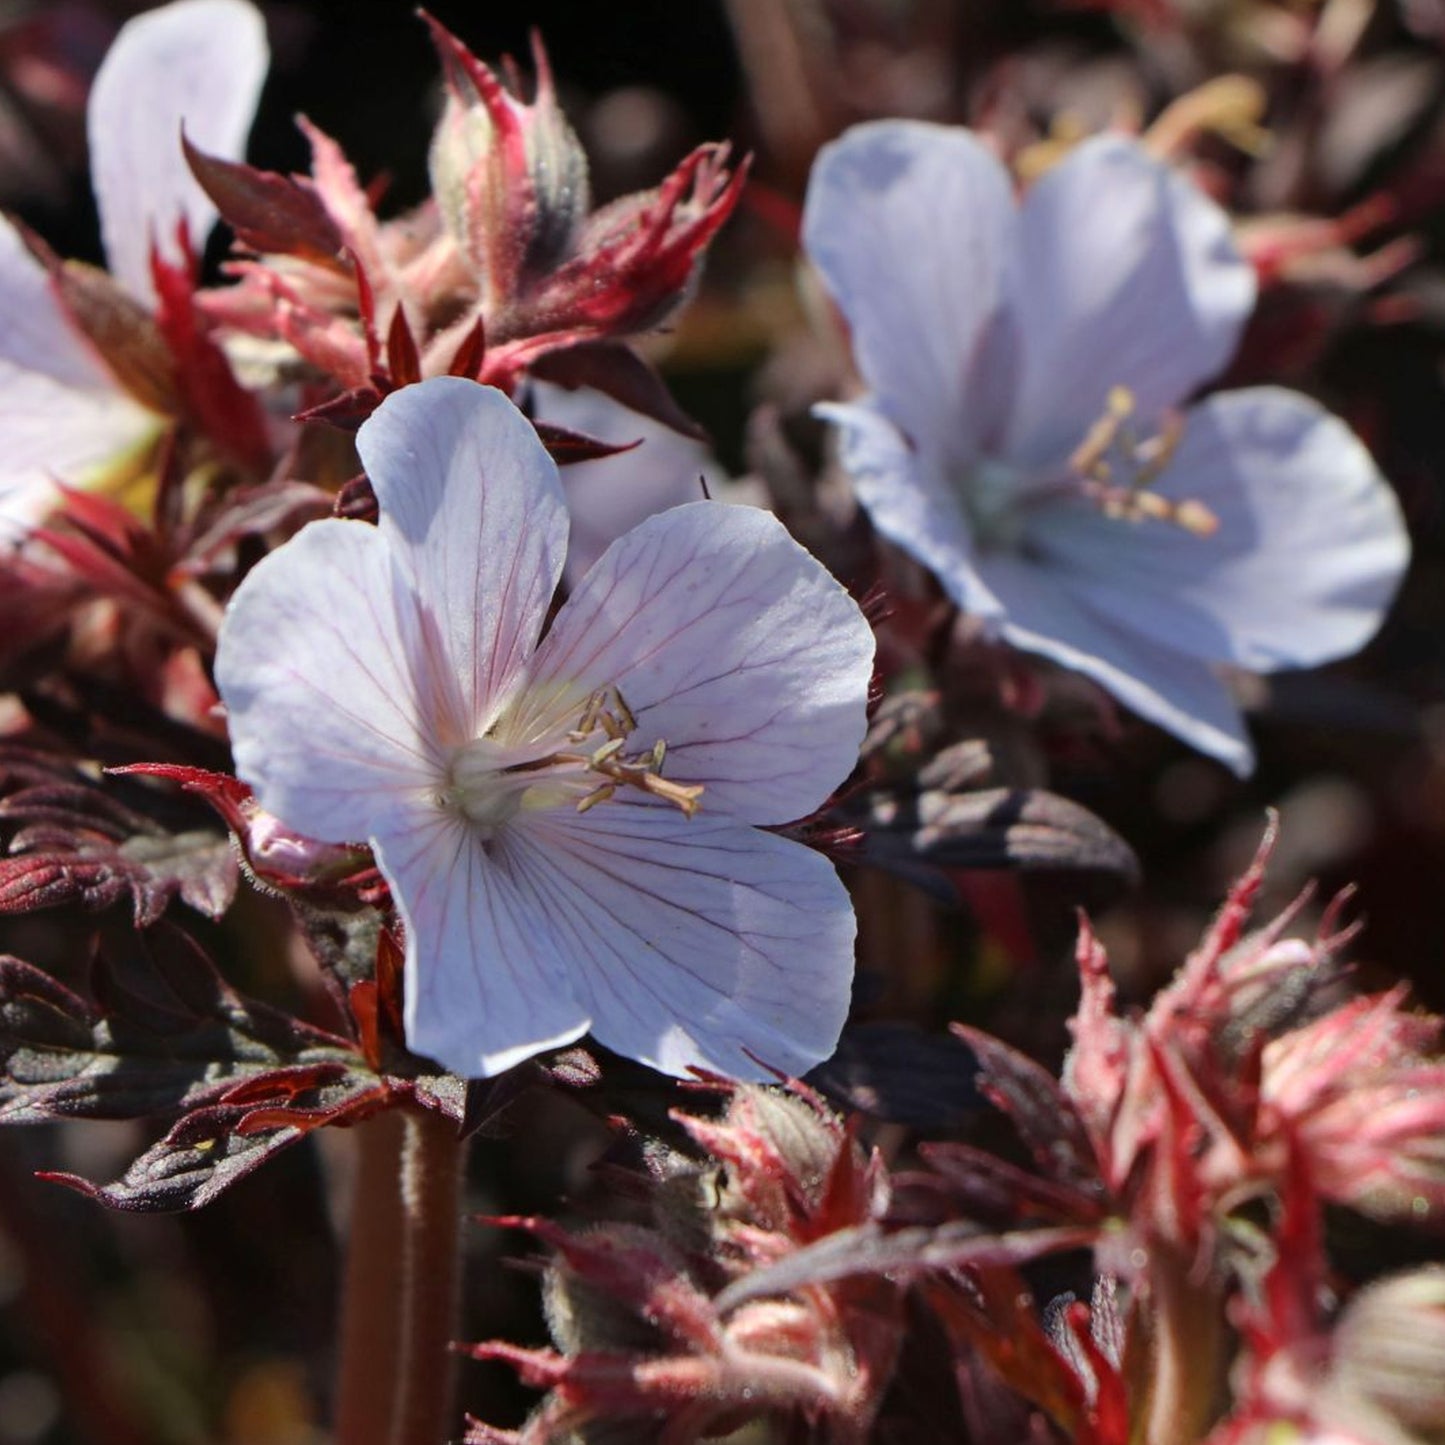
[[62, 415], [1310, 549], [1171, 689], [318, 666], [485, 985], [1128, 276], [733, 645], [695, 942], [473, 511], [910, 501], [914, 230], [611, 495], [200, 63]]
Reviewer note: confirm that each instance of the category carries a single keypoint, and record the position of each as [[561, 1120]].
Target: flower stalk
[[395, 1384]]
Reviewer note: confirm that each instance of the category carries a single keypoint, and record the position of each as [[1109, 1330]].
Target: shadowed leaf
[[920, 836]]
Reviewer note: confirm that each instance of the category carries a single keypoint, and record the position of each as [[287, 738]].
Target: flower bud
[[509, 177]]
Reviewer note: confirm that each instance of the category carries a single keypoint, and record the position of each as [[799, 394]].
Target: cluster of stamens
[[1117, 467], [606, 710], [490, 779]]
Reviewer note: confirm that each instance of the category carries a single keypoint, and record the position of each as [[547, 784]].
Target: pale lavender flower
[[1021, 437], [571, 828], [63, 413]]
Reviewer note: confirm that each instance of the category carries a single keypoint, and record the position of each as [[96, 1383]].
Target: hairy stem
[[394, 1384], [1188, 1355], [371, 1322], [431, 1169]]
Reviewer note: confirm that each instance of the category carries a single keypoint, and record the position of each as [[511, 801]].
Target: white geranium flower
[[1021, 436], [570, 827], [63, 414]]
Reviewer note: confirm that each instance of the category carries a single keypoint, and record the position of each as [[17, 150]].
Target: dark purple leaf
[[270, 213], [1038, 1108], [73, 841], [897, 1072], [154, 1042], [900, 1254], [566, 447], [201, 1156]]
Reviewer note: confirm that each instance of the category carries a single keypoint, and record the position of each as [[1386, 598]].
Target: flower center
[[1114, 467], [489, 782]]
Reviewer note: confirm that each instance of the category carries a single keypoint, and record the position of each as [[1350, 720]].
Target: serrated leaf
[[171, 1040], [73, 841], [166, 1035], [900, 1254], [1038, 1108]]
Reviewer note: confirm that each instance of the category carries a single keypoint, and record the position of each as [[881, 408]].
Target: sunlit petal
[[914, 229], [609, 496], [730, 644], [1169, 688], [909, 502], [472, 510], [1309, 550], [485, 986], [197, 63], [331, 711], [695, 943], [1127, 276]]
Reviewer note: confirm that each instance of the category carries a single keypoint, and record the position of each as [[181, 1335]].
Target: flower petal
[[1128, 276], [730, 643], [200, 63], [611, 495], [317, 663], [1308, 554], [914, 228], [474, 514], [909, 502], [62, 415], [695, 943], [485, 986], [1174, 691]]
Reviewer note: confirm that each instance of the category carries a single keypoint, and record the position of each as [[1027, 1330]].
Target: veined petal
[[197, 63], [914, 229], [611, 495], [732, 645], [473, 512], [331, 712], [485, 985], [1178, 693], [1128, 276], [1308, 554], [695, 943], [909, 502]]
